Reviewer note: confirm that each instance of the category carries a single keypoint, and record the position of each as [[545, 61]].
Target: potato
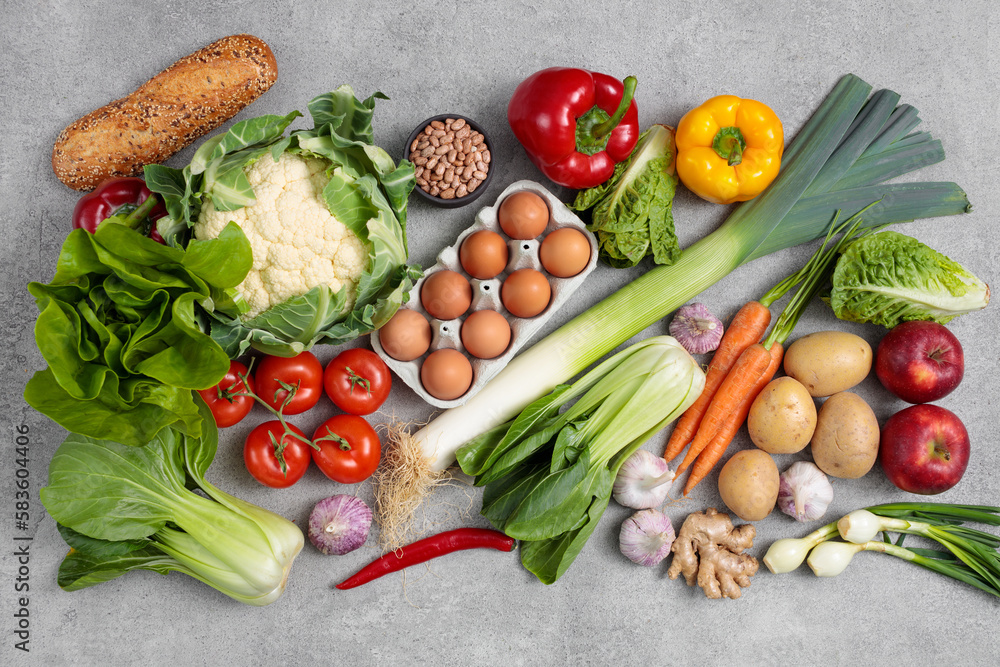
[[783, 417], [748, 484], [828, 362], [845, 443]]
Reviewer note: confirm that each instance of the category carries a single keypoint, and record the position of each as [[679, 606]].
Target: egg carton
[[486, 295]]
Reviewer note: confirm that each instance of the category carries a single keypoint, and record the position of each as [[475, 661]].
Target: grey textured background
[[64, 58]]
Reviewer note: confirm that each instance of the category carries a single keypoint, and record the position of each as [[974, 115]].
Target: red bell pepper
[[109, 197], [575, 125]]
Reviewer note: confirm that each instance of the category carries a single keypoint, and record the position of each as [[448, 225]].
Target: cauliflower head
[[297, 243]]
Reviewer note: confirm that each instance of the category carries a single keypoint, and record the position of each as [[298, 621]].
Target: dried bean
[[450, 158]]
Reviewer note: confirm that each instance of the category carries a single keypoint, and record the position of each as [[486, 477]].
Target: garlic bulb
[[642, 481], [646, 537], [804, 492], [696, 328], [339, 524]]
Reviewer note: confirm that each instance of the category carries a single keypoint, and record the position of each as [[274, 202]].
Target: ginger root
[[709, 550]]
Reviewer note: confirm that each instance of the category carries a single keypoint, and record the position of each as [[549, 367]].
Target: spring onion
[[969, 555], [838, 162]]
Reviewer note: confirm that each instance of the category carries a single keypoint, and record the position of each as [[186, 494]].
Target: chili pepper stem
[[611, 123]]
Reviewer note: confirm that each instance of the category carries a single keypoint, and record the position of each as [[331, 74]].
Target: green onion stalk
[[839, 162], [969, 555]]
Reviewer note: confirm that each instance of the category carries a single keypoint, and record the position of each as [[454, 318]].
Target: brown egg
[[523, 215], [483, 254], [565, 252], [446, 374], [446, 294], [406, 336], [525, 293], [485, 334]]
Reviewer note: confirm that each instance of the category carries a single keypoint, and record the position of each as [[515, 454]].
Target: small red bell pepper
[[574, 124], [109, 197]]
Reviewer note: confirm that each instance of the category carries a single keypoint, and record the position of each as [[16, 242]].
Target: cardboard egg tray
[[486, 295]]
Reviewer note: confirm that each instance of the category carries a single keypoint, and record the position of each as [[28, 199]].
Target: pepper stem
[[611, 123], [139, 214], [729, 144]]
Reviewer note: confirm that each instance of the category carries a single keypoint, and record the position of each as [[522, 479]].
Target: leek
[[838, 162]]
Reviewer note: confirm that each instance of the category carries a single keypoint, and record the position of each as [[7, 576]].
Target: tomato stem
[[358, 380]]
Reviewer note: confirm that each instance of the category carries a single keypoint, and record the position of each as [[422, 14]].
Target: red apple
[[920, 362], [924, 449]]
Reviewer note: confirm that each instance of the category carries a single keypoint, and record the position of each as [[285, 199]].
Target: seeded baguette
[[192, 97]]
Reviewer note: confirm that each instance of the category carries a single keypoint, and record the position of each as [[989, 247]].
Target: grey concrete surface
[[63, 58]]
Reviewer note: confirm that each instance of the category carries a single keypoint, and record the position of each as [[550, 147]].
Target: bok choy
[[125, 508], [838, 162], [548, 473]]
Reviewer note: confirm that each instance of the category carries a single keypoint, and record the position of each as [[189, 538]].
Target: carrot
[[717, 447], [748, 327], [741, 379]]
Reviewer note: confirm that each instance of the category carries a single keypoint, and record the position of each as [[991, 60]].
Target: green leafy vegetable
[[118, 326], [548, 473], [366, 192], [237, 548], [888, 278], [633, 211]]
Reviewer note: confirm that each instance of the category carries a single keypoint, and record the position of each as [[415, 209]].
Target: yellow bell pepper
[[729, 149]]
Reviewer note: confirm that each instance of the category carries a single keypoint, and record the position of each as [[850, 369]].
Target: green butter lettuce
[[888, 278], [632, 214], [119, 329], [367, 192]]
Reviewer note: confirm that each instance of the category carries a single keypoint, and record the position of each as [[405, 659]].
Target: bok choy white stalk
[[838, 162]]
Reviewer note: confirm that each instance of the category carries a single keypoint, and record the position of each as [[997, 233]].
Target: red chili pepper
[[574, 124], [108, 197], [424, 550]]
